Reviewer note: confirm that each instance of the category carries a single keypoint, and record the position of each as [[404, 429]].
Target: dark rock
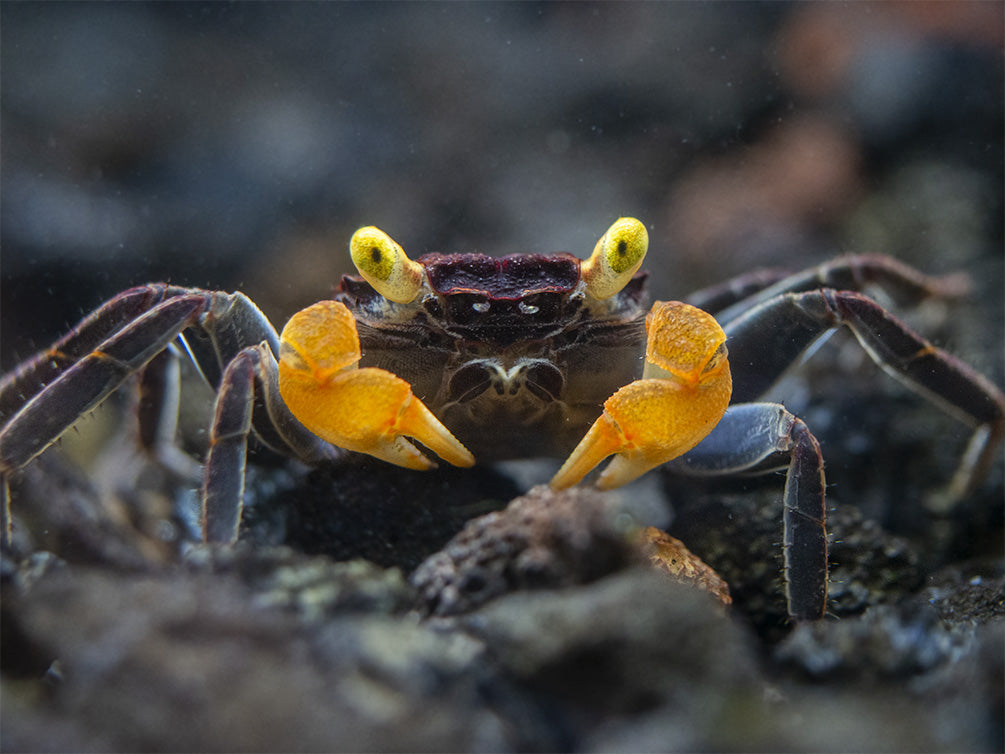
[[869, 566], [621, 648], [545, 539], [885, 643], [968, 593], [908, 656], [738, 534], [314, 588], [736, 527], [192, 662]]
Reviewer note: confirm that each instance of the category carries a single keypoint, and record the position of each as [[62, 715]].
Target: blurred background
[[240, 145]]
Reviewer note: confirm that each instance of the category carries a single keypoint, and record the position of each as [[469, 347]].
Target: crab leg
[[133, 332], [23, 384], [796, 320], [854, 272], [683, 393], [51, 409], [749, 438], [158, 398], [223, 481], [89, 381], [232, 326], [251, 379], [365, 410]]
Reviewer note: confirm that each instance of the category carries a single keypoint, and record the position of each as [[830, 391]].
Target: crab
[[465, 356]]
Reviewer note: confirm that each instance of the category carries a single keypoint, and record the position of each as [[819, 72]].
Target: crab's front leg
[[684, 391], [367, 410]]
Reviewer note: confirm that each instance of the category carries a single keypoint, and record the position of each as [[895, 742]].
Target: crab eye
[[616, 257], [384, 265]]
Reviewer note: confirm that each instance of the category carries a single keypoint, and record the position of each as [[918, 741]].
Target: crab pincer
[[366, 410], [684, 391]]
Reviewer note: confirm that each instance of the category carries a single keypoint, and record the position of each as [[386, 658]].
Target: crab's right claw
[[684, 392], [366, 410]]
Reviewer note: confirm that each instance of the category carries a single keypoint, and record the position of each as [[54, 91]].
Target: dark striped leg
[[249, 387], [125, 336], [232, 326], [157, 405], [753, 437], [21, 385], [223, 480], [81, 387], [41, 412], [856, 272], [766, 340], [6, 526]]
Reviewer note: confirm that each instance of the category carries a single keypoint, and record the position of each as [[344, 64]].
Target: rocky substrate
[[538, 627]]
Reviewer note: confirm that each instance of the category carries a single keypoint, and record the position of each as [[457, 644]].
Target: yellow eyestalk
[[616, 257], [384, 265]]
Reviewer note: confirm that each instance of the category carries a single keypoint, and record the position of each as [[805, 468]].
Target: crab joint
[[683, 395], [365, 410]]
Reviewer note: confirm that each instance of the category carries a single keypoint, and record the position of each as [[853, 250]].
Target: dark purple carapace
[[505, 299], [501, 278]]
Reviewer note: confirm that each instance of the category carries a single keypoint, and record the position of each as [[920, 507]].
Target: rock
[[619, 649], [884, 643], [544, 539], [193, 662], [312, 587]]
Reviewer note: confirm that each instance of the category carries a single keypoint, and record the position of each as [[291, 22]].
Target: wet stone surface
[[572, 642]]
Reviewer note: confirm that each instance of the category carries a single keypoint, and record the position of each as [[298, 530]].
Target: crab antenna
[[385, 265], [616, 257]]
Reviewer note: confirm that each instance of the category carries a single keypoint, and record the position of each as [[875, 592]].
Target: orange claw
[[683, 393], [366, 410]]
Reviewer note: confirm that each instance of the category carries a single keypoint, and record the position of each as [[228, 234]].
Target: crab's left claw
[[683, 393], [366, 410]]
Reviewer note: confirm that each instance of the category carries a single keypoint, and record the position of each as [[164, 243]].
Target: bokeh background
[[240, 145]]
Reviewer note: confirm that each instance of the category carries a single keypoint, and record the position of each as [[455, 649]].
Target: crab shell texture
[[511, 353]]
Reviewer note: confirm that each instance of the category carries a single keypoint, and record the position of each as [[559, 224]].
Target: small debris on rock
[[672, 557]]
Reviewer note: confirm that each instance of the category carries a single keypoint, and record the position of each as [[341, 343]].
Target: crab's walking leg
[[854, 272], [684, 391], [223, 480], [234, 328], [366, 410], [157, 403], [249, 381], [84, 385], [236, 348], [24, 383], [133, 332], [751, 437], [49, 410], [795, 320]]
